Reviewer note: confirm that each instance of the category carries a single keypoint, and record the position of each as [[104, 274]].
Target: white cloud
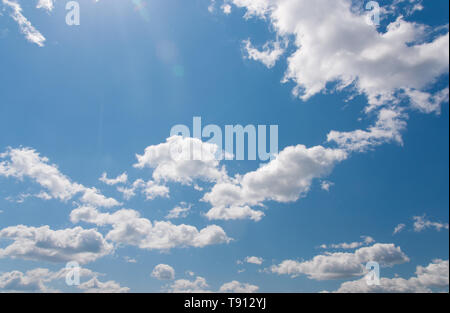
[[237, 287], [27, 163], [367, 240], [198, 285], [433, 276], [121, 179], [399, 228], [336, 48], [285, 179], [96, 286], [421, 223], [176, 160], [150, 189], [47, 5], [234, 213], [342, 265], [163, 272], [45, 244], [35, 280], [226, 8], [180, 211], [269, 55], [31, 34], [426, 102], [129, 228], [388, 127], [31, 281], [335, 43], [326, 185], [254, 260]]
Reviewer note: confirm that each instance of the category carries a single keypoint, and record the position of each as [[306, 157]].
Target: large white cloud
[[27, 163], [334, 43], [44, 244], [335, 48], [129, 228], [433, 276], [182, 160], [342, 265], [47, 5], [285, 179]]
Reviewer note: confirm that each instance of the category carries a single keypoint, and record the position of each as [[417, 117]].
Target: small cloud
[[163, 272], [399, 228], [121, 179], [326, 185], [226, 8], [254, 260], [180, 211], [421, 223], [130, 260]]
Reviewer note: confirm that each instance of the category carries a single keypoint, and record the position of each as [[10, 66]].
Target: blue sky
[[94, 96]]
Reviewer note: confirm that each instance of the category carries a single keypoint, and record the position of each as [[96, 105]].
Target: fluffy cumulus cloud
[[35, 280], [45, 244], [398, 229], [237, 287], [182, 160], [163, 272], [129, 228], [336, 44], [31, 281], [96, 286], [25, 26], [27, 163], [435, 276], [341, 265], [199, 285], [149, 189], [285, 179], [335, 47], [254, 260]]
